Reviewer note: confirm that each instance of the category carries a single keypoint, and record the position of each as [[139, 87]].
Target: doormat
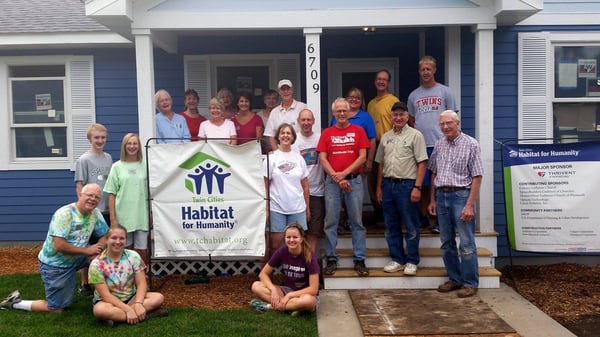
[[409, 312]]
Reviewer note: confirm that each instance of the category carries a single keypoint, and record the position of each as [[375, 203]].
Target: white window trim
[[79, 110], [536, 80], [204, 68]]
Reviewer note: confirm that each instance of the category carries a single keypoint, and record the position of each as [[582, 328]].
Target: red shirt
[[342, 145], [193, 124], [247, 130]]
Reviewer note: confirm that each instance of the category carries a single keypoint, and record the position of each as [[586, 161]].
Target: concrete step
[[430, 257], [426, 278], [376, 239]]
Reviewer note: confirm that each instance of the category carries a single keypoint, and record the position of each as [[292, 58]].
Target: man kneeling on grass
[[301, 276], [120, 281], [65, 251]]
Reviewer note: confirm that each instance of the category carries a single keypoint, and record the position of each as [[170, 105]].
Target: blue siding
[[506, 111]]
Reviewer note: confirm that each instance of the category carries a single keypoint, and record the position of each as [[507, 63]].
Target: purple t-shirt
[[295, 268]]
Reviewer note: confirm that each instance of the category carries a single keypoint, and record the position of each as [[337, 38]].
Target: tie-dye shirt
[[76, 228], [119, 276]]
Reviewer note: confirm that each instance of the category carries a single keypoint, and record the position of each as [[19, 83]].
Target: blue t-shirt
[[171, 128], [364, 120]]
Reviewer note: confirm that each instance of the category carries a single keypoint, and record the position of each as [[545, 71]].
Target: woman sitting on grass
[[301, 276], [120, 281]]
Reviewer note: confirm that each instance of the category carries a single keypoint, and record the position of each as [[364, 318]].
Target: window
[[559, 86], [254, 73], [48, 108]]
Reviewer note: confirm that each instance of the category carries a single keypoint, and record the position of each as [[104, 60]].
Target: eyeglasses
[[93, 196], [442, 124]]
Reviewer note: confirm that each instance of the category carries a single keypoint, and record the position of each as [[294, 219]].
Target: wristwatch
[[417, 187]]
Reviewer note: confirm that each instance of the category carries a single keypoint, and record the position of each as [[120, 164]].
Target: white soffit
[[561, 12]]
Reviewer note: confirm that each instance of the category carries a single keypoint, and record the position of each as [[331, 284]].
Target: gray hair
[[161, 92], [340, 99]]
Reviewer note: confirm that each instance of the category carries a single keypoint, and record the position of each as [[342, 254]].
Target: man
[[425, 104], [456, 173], [379, 108], [65, 251], [286, 112], [93, 167], [402, 159], [342, 151], [306, 145]]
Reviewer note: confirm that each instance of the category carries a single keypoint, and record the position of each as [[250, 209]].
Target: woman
[[301, 271], [286, 179], [217, 126], [248, 125], [170, 127], [119, 279], [192, 117], [128, 195], [270, 99], [226, 97]]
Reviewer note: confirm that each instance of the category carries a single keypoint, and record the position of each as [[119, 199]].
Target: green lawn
[[79, 321]]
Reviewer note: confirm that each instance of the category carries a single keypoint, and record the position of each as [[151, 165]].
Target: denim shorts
[[279, 221], [59, 283], [139, 239]]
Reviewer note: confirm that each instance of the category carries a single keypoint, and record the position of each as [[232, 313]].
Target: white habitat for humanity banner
[[208, 199]]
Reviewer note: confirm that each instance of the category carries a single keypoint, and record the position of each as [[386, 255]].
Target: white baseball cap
[[284, 82]]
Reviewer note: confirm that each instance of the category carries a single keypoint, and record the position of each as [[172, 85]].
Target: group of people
[[413, 157], [104, 234]]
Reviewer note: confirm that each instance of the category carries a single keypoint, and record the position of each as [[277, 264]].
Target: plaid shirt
[[456, 162]]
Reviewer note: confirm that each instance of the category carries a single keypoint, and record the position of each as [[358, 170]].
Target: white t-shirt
[[307, 147], [286, 171], [210, 130]]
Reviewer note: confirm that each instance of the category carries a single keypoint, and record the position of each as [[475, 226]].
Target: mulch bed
[[567, 292]]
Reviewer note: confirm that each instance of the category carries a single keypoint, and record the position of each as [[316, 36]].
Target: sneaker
[[436, 229], [12, 298], [466, 291], [296, 313], [160, 312], [360, 268], [448, 287], [259, 305], [331, 267], [393, 267], [86, 290], [410, 269], [108, 323]]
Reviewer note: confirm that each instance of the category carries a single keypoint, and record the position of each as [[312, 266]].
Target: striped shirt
[[456, 162]]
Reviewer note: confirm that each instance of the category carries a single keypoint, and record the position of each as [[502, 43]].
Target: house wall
[[29, 198], [506, 112]]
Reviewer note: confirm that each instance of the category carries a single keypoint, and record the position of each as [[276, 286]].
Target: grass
[[79, 321]]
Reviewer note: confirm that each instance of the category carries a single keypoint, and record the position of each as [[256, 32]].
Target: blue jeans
[[59, 283], [398, 208], [333, 206], [465, 270]]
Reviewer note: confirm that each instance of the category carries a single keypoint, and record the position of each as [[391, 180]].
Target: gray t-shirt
[[91, 168], [426, 105]]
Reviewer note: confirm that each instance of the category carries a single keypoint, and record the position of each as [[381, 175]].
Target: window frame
[[536, 81], [79, 107]]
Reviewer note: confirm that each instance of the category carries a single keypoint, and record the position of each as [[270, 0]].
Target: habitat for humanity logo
[[205, 170]]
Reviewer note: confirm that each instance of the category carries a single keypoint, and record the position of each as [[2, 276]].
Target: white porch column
[[484, 119], [453, 63], [144, 64], [312, 48]]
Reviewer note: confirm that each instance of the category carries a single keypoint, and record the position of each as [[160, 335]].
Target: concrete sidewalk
[[336, 316]]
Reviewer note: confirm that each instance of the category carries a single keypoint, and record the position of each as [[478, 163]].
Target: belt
[[448, 189], [352, 176], [397, 180]]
